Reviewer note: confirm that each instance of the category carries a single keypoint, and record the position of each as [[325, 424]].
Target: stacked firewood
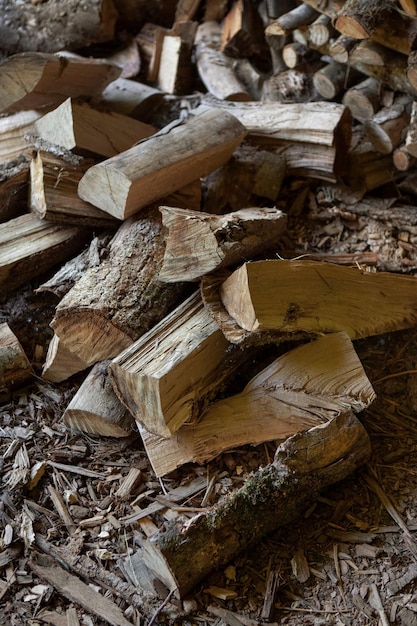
[[180, 284]]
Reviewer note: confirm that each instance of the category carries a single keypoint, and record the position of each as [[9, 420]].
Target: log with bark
[[168, 376], [162, 164], [114, 303], [46, 80], [304, 465], [301, 389], [286, 298], [199, 243], [130, 97]]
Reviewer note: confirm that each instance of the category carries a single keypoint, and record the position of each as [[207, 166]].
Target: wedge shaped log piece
[[315, 297], [199, 243], [169, 375], [15, 368], [275, 495], [161, 164], [303, 388], [47, 80], [79, 126], [114, 303], [96, 409]]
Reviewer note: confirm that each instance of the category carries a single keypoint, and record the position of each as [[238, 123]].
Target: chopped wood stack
[[190, 285]]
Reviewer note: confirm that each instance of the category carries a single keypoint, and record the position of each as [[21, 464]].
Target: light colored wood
[[78, 126], [14, 130], [402, 158], [95, 408], [363, 99], [130, 97], [167, 377], [409, 7], [325, 374], [387, 66], [302, 15], [198, 243], [275, 495], [114, 303], [48, 79], [15, 368], [162, 164], [297, 54], [127, 58], [331, 79], [315, 297], [215, 68], [29, 246], [53, 192], [150, 40], [320, 123]]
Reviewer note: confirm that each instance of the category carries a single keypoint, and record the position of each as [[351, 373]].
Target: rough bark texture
[[274, 496]]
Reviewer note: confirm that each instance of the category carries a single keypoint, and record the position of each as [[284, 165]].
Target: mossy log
[[275, 495]]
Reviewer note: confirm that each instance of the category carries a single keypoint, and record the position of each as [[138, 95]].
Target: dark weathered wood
[[47, 80], [15, 368], [275, 495]]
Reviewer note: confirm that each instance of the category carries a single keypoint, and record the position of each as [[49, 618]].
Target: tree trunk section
[[274, 496]]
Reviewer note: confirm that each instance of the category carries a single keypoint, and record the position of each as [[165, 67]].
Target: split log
[[53, 192], [325, 374], [168, 376], [95, 408], [318, 123], [15, 368], [127, 58], [243, 34], [214, 67], [198, 243], [30, 246], [79, 28], [124, 184], [47, 80], [367, 168], [274, 496], [129, 97], [78, 126], [313, 297], [14, 132], [150, 40], [363, 99], [175, 71], [115, 303]]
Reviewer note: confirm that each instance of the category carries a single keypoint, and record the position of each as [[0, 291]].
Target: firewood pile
[[156, 194]]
